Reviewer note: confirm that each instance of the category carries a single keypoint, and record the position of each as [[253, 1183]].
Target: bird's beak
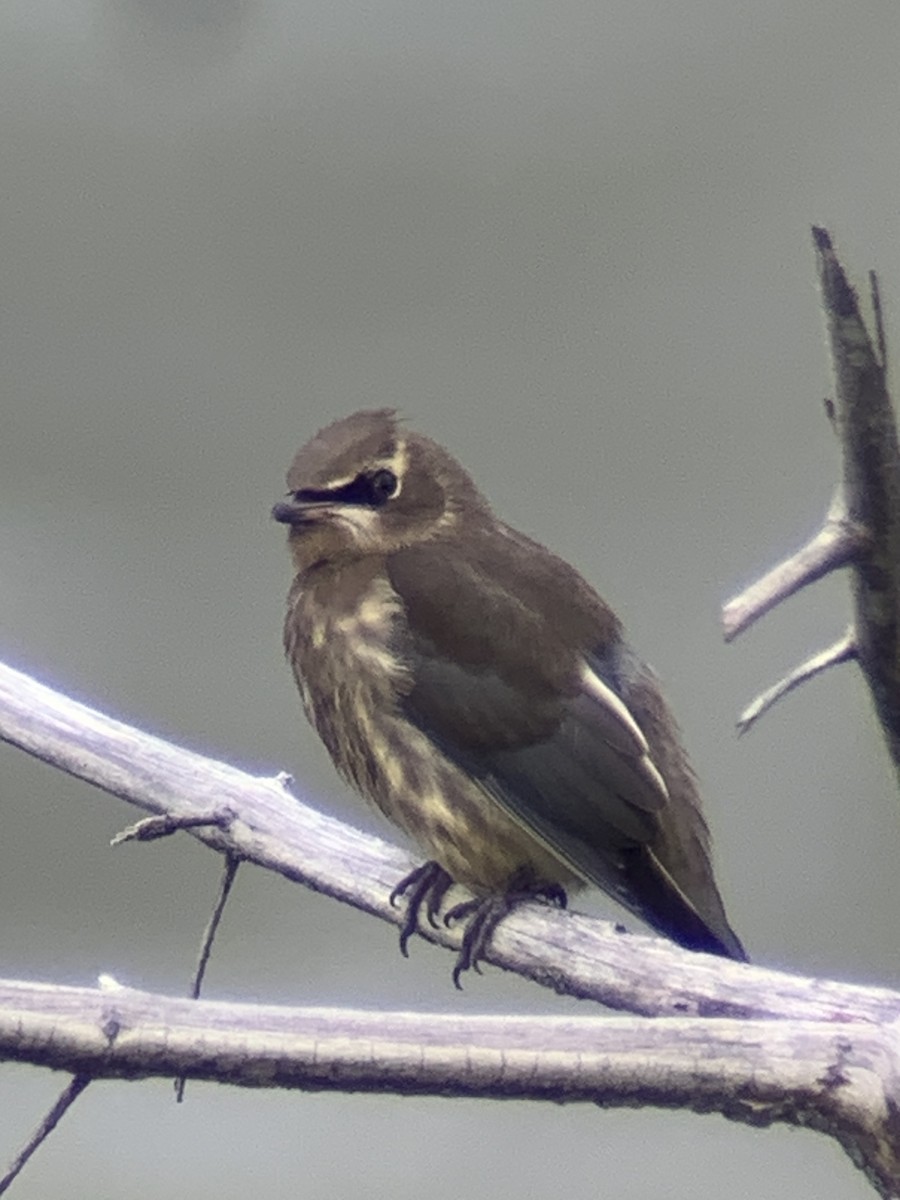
[[300, 512]]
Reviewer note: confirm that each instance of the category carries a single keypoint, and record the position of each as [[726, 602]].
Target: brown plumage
[[477, 690]]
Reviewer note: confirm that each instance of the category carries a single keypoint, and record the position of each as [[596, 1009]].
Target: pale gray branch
[[826, 1060], [841, 651], [838, 1078], [574, 954], [839, 542]]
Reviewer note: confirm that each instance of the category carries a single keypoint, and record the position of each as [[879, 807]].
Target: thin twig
[[232, 862], [843, 650], [150, 829], [69, 1095]]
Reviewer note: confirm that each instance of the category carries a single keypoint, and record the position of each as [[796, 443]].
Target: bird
[[477, 690]]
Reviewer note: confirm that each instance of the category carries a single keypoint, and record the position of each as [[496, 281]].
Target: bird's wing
[[501, 686], [517, 671]]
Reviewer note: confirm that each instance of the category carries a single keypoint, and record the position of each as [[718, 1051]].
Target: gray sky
[[570, 241]]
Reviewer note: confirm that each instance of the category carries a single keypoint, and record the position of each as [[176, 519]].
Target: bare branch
[[864, 418], [569, 952], [839, 542], [151, 829], [862, 529], [839, 1078], [841, 651]]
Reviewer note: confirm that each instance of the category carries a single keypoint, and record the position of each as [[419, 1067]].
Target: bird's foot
[[426, 887], [485, 914]]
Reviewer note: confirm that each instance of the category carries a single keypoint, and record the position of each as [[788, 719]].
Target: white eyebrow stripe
[[333, 484]]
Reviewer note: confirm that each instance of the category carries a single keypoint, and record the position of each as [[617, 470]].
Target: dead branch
[[837, 1078], [758, 1046], [258, 820], [862, 529]]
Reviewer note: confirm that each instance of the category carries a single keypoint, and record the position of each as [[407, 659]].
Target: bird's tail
[[665, 907]]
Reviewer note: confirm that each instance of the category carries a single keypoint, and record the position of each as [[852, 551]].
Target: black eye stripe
[[372, 489]]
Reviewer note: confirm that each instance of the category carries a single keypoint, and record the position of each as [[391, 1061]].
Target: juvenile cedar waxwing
[[480, 693]]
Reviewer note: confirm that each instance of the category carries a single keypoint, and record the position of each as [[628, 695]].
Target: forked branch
[[755, 1045], [862, 529]]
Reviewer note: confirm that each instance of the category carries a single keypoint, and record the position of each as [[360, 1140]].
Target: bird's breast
[[339, 637], [343, 638]]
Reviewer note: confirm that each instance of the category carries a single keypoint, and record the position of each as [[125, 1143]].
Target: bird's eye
[[382, 485]]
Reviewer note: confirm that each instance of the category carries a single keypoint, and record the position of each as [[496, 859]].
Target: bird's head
[[366, 485]]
